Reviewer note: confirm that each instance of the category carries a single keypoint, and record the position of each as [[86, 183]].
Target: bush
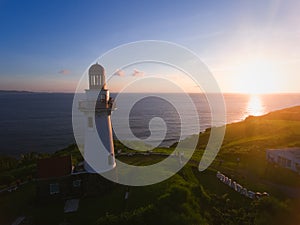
[[138, 216], [6, 179], [270, 211], [7, 163]]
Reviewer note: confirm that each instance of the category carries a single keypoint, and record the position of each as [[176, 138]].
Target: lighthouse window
[[90, 122], [111, 159], [102, 98], [289, 163]]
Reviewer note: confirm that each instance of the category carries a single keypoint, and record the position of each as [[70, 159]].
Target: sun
[[257, 77]]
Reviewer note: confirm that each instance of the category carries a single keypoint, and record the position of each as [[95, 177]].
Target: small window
[[279, 160], [102, 98], [76, 183], [297, 165], [111, 159], [90, 122], [289, 163], [54, 188]]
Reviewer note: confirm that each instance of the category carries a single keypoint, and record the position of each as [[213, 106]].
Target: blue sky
[[47, 45]]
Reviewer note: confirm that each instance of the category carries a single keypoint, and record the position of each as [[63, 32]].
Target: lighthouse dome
[[97, 77], [96, 69]]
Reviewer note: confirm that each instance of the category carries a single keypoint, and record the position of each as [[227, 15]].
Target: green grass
[[17, 203], [48, 212], [112, 202], [91, 208], [140, 160]]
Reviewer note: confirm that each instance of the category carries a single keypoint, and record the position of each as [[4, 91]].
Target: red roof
[[54, 167]]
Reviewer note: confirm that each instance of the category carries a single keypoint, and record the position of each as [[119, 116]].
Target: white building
[[286, 157], [97, 107]]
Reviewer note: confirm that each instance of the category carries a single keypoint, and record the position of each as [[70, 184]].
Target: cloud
[[138, 73], [64, 72], [120, 73]]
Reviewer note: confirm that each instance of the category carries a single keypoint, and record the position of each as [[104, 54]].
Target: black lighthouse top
[[97, 77]]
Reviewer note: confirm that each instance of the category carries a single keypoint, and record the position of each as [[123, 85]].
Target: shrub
[[6, 179]]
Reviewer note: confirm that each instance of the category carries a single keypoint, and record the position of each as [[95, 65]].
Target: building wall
[[66, 187], [283, 159], [98, 141], [90, 185]]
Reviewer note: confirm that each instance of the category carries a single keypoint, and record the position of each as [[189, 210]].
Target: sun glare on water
[[255, 106]]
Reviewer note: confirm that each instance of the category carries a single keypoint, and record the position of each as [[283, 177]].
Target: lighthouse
[[97, 108]]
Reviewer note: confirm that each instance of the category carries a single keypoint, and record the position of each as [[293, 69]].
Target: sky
[[249, 46]]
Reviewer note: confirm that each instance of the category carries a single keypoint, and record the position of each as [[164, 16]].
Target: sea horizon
[[112, 92], [42, 122]]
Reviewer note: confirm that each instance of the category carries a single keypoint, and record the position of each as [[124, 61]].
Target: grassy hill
[[248, 140], [273, 130]]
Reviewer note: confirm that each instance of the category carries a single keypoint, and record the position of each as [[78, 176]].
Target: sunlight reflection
[[255, 106]]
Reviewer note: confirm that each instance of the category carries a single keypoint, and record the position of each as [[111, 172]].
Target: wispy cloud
[[138, 73], [120, 73], [64, 72]]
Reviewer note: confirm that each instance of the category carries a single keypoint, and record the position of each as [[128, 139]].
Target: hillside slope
[[256, 133], [243, 152]]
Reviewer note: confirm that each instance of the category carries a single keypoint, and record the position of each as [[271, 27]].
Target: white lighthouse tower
[[97, 107]]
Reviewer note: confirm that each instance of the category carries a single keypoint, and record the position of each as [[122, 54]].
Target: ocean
[[42, 122]]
